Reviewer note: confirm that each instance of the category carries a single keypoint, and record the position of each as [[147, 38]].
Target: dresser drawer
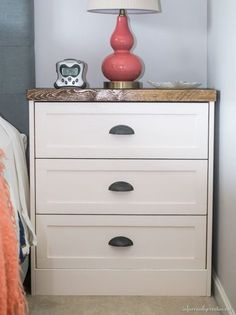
[[121, 186], [94, 130], [82, 242]]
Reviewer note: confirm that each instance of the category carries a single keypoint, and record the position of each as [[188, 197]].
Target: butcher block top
[[103, 95]]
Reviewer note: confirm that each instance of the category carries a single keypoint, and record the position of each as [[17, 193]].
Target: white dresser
[[121, 191]]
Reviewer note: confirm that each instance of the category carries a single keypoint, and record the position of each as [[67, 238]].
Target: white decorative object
[[175, 85]]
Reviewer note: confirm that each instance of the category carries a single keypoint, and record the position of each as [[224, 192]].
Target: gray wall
[[16, 60], [221, 75], [172, 44]]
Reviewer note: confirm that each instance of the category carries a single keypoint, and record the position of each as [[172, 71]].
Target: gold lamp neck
[[122, 12]]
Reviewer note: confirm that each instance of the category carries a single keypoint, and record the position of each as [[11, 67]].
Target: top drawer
[[153, 130]]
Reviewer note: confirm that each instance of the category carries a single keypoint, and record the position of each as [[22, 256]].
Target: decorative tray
[[175, 85]]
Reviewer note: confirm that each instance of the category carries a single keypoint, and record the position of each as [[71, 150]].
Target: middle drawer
[[121, 186]]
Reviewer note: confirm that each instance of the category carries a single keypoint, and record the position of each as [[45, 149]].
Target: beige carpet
[[91, 305]]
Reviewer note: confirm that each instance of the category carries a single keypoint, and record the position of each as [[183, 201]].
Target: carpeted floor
[[109, 305]]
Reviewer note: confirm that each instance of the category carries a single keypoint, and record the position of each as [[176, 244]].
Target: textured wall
[[221, 75], [173, 44], [16, 60]]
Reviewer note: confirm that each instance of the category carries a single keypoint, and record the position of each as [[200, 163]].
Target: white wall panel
[[222, 71]]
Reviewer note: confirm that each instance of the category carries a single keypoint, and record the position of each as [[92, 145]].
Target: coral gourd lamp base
[[122, 67]]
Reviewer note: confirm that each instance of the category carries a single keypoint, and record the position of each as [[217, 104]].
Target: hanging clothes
[[17, 177], [12, 299]]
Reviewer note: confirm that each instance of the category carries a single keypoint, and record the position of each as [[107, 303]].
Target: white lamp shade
[[131, 6]]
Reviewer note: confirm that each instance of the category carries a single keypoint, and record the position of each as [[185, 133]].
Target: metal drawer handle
[[121, 187], [120, 241], [122, 130]]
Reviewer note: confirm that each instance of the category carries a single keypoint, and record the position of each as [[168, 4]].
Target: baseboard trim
[[221, 297]]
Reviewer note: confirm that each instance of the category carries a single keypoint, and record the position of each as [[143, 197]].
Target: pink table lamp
[[122, 67]]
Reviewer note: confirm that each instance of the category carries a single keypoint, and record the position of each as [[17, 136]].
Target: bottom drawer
[[158, 242]]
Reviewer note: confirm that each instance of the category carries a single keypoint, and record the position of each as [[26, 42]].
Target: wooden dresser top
[[103, 95]]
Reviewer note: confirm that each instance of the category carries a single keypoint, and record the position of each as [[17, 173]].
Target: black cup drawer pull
[[121, 187], [122, 130], [121, 241]]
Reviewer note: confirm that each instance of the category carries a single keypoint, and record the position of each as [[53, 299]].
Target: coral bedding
[[12, 300]]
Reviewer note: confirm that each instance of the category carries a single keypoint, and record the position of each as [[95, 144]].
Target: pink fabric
[[12, 299]]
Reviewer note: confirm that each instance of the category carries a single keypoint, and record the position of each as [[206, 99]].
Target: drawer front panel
[[155, 130], [158, 242], [121, 187]]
